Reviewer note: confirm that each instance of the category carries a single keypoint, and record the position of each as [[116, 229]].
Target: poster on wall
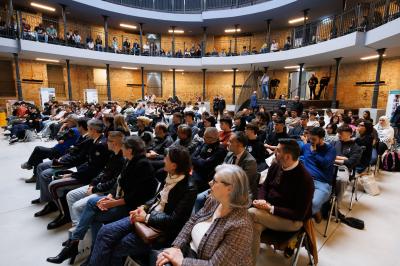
[[393, 102], [91, 96], [47, 94]]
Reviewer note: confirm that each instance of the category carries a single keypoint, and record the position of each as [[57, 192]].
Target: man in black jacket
[[101, 184], [206, 157], [161, 142], [272, 140], [348, 154], [97, 157], [173, 127]]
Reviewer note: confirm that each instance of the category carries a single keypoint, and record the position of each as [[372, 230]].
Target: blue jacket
[[319, 163], [253, 100], [71, 138]]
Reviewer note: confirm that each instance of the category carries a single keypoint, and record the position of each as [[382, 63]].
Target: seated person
[[189, 120], [225, 214], [255, 147], [313, 120], [135, 185], [40, 33], [102, 183], [348, 153], [51, 32], [31, 122], [173, 126], [331, 133], [274, 46], [318, 158], [364, 139], [161, 142], [168, 212], [65, 141], [385, 134], [240, 156], [288, 43], [297, 131], [54, 191], [185, 138], [287, 195], [239, 122], [272, 140], [293, 120], [206, 157], [225, 125]]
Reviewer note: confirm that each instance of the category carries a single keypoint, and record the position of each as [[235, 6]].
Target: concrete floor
[[25, 240]]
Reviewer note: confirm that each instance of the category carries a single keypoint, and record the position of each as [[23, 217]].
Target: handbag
[[146, 233]]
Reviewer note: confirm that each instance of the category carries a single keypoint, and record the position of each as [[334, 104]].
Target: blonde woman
[[121, 125]]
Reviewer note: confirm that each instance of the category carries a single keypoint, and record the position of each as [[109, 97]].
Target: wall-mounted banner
[[91, 96], [47, 94]]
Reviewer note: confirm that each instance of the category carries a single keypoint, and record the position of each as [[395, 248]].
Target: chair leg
[[333, 203], [353, 192], [336, 210], [308, 248], [296, 256]]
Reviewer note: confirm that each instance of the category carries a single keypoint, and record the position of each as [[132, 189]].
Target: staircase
[[251, 84]]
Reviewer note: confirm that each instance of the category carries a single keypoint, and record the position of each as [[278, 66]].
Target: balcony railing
[[185, 6], [362, 17]]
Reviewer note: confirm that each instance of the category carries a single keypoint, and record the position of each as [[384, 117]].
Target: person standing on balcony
[[264, 86], [312, 83], [221, 105]]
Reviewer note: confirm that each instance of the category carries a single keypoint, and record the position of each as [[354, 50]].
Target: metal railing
[[8, 25], [185, 6], [361, 17]]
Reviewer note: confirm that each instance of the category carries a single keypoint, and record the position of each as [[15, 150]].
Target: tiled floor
[[25, 240]]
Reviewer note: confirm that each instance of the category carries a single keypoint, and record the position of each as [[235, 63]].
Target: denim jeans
[[322, 193], [265, 93], [114, 242], [77, 200], [44, 174], [94, 218]]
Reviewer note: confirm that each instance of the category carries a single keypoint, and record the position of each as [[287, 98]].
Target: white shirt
[[265, 79], [198, 232]]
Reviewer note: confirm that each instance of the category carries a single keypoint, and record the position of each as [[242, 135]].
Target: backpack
[[391, 160], [29, 135]]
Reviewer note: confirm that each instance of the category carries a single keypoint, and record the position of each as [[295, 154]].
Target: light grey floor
[[25, 240]]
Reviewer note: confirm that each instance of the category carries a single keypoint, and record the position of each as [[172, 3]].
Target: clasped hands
[[138, 215], [106, 203], [171, 255]]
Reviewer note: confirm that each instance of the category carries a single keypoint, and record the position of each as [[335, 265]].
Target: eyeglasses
[[214, 181]]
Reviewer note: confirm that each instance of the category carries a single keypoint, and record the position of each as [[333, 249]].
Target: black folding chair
[[281, 240], [333, 202]]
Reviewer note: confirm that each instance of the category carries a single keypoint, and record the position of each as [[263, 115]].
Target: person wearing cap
[[272, 140], [65, 141], [206, 157]]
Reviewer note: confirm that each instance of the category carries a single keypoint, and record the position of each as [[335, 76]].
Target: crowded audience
[[190, 177]]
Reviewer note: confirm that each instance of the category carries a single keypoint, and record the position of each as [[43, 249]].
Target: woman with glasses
[[365, 140], [221, 233]]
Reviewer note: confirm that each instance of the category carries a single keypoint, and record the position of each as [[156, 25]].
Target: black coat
[[97, 158], [205, 159], [159, 145], [78, 153], [105, 181], [137, 181], [176, 212], [350, 150]]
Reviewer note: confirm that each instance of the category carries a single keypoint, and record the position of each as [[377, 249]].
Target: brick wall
[[189, 84]]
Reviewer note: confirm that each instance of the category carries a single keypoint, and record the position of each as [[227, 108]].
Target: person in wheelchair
[[285, 200]]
